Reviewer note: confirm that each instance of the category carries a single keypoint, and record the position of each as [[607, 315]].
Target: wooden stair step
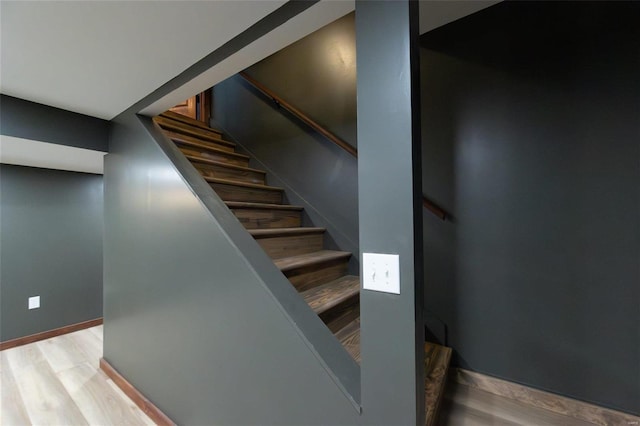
[[286, 242], [186, 129], [309, 270], [188, 120], [331, 294], [214, 154], [265, 215], [234, 190], [436, 365], [218, 169], [349, 336], [193, 141]]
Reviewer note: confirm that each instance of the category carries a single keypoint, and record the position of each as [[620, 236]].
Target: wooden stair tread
[[436, 365], [185, 139], [242, 184], [265, 206], [188, 120], [208, 147], [326, 296], [279, 232], [185, 129], [208, 161], [302, 260], [349, 336]]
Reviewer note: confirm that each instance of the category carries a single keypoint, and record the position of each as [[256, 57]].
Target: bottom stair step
[[349, 336], [436, 366]]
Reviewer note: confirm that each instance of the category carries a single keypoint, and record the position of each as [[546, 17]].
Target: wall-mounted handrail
[[429, 205]]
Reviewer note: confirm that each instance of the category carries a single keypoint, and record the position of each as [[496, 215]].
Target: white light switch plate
[[34, 302], [381, 272]]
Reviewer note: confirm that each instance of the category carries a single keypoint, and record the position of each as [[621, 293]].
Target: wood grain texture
[[464, 405], [187, 129], [266, 216], [140, 400], [284, 242], [97, 400], [56, 381], [13, 411], [544, 400], [349, 336], [221, 170], [312, 269], [44, 397], [241, 191], [215, 155], [327, 296], [187, 120], [436, 364], [48, 334], [190, 140]]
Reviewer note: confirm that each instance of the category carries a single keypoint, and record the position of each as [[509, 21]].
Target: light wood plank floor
[[467, 406], [57, 382]]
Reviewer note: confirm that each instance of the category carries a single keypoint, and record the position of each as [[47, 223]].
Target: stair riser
[[314, 275], [185, 129], [279, 247], [225, 173], [217, 156], [177, 137], [342, 314], [252, 195], [268, 219]]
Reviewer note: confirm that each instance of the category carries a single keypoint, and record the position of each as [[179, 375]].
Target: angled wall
[[531, 140], [193, 303]]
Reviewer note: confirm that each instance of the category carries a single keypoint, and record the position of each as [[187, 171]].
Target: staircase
[[319, 275]]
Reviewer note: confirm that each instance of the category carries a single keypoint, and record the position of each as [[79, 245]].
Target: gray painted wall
[[51, 227], [193, 303], [531, 133], [316, 75], [29, 120]]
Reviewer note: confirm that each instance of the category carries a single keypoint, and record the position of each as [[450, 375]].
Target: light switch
[[34, 302], [381, 272]]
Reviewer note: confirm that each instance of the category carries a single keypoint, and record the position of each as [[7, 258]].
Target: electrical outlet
[[34, 302], [381, 272]]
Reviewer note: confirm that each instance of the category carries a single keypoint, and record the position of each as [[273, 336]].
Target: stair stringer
[[139, 146]]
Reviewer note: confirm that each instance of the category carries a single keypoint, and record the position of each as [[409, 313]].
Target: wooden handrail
[[429, 205]]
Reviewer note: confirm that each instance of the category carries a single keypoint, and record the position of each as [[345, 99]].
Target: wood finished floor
[[57, 382]]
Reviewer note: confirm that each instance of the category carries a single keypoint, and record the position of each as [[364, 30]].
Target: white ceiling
[[100, 57]]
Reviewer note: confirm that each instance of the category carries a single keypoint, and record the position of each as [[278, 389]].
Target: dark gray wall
[[29, 120], [390, 210], [193, 303], [51, 227], [316, 75], [531, 129]]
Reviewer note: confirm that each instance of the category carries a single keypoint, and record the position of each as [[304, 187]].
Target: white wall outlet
[[381, 272], [34, 302]]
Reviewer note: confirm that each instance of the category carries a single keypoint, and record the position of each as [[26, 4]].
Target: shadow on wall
[[529, 128], [317, 76]]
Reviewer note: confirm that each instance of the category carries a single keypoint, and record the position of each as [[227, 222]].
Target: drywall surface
[[193, 303], [51, 227], [531, 140]]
